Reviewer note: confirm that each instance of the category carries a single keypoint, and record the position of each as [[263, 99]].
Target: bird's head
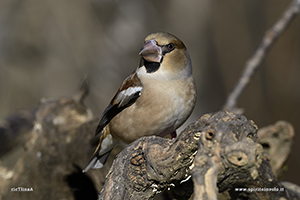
[[165, 52]]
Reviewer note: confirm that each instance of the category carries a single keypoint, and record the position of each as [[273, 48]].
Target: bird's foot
[[173, 135]]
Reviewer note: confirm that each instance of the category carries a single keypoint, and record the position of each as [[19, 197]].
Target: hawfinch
[[155, 99]]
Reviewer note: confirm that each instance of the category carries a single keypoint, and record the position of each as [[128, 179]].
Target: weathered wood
[[218, 153], [277, 140], [227, 159], [150, 165]]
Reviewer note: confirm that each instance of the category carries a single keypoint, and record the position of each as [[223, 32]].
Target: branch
[[151, 165], [219, 151], [277, 140], [254, 62]]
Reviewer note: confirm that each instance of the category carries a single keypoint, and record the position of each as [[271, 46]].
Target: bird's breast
[[162, 107]]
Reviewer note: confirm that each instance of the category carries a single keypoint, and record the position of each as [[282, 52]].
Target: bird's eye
[[167, 48], [171, 46]]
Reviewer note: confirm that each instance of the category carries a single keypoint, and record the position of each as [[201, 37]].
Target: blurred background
[[48, 47]]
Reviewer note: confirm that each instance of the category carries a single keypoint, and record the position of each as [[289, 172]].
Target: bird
[[155, 99]]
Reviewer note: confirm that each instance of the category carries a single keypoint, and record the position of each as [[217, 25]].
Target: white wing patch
[[125, 96]]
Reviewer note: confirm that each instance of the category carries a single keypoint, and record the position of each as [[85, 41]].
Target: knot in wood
[[232, 136], [244, 153], [238, 158], [137, 159], [209, 134]]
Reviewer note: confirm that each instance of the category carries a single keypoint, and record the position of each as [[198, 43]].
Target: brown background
[[47, 47]]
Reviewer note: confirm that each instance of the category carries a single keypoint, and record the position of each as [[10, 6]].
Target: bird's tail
[[105, 145], [97, 162]]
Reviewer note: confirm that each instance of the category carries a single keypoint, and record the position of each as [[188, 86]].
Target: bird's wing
[[127, 94]]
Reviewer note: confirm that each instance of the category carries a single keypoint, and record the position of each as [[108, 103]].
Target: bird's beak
[[151, 51]]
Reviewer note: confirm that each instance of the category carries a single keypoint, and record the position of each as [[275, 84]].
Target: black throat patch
[[150, 66]]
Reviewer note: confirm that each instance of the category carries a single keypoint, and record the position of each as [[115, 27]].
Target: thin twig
[[253, 63]]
